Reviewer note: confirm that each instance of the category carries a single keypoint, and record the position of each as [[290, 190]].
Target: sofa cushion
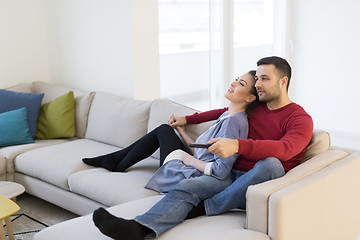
[[14, 100], [116, 120], [14, 128], [82, 102], [320, 142], [11, 152], [57, 118], [112, 188], [54, 164]]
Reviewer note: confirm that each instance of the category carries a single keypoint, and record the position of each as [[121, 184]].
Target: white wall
[[103, 45], [325, 59], [90, 44], [145, 49], [23, 42]]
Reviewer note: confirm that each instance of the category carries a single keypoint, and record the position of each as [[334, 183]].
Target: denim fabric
[[174, 207], [220, 195], [235, 195]]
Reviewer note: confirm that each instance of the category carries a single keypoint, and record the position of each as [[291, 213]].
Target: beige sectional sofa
[[316, 200]]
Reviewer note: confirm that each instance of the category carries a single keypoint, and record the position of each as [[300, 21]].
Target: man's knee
[[203, 186], [192, 184], [272, 166]]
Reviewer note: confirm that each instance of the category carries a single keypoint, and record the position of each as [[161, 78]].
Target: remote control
[[197, 145]]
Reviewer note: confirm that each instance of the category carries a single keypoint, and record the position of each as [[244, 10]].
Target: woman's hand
[[180, 129], [177, 121], [188, 160], [223, 147], [191, 161], [187, 139]]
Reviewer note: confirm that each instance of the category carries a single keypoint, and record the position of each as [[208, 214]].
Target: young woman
[[176, 161]]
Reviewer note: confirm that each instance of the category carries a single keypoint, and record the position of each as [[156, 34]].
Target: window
[[205, 44], [184, 52]]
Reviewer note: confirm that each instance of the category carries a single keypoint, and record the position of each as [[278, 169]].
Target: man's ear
[[251, 98], [284, 80]]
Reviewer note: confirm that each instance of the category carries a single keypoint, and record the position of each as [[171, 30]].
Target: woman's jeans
[[219, 195]]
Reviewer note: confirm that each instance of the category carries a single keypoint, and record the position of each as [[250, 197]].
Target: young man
[[279, 132]]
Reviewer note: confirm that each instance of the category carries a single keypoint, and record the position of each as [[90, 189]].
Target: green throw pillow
[[57, 118]]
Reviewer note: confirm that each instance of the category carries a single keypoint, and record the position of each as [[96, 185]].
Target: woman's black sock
[[119, 228], [108, 161]]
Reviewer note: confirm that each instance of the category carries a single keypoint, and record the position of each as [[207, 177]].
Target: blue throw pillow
[[14, 128], [14, 100]]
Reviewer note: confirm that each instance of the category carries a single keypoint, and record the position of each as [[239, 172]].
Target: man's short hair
[[280, 64]]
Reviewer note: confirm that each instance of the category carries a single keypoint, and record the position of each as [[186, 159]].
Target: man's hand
[[223, 147], [177, 121]]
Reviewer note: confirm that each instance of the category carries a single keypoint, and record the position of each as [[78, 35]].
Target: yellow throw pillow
[[57, 118]]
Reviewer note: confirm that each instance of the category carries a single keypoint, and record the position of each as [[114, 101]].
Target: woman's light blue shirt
[[171, 173]]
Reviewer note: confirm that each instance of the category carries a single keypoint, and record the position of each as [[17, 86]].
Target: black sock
[[119, 228], [100, 162], [107, 161], [197, 211]]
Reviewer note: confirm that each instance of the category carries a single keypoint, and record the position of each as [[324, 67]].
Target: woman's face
[[239, 90]]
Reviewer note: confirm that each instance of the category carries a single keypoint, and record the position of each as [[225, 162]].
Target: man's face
[[267, 83]]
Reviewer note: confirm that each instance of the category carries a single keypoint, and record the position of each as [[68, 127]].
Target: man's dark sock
[[197, 211], [119, 228]]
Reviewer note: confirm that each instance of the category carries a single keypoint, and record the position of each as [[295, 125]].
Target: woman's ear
[[250, 99]]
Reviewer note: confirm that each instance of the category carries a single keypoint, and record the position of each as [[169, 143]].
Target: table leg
[[2, 232], [9, 228]]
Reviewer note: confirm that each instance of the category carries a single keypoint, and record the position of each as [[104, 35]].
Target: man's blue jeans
[[219, 195]]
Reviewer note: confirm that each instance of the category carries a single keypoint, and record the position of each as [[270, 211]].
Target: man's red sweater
[[282, 133]]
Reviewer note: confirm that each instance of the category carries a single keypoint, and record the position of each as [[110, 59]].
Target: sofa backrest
[[82, 102], [22, 87], [320, 142], [116, 120], [162, 109]]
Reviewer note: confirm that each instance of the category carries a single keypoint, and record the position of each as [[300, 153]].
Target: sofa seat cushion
[[11, 152], [112, 188], [228, 226], [55, 163]]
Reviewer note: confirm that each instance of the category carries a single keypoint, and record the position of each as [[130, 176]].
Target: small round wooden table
[[11, 189], [8, 192]]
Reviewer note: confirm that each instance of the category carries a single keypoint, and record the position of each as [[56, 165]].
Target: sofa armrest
[[257, 196], [324, 205], [2, 168]]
